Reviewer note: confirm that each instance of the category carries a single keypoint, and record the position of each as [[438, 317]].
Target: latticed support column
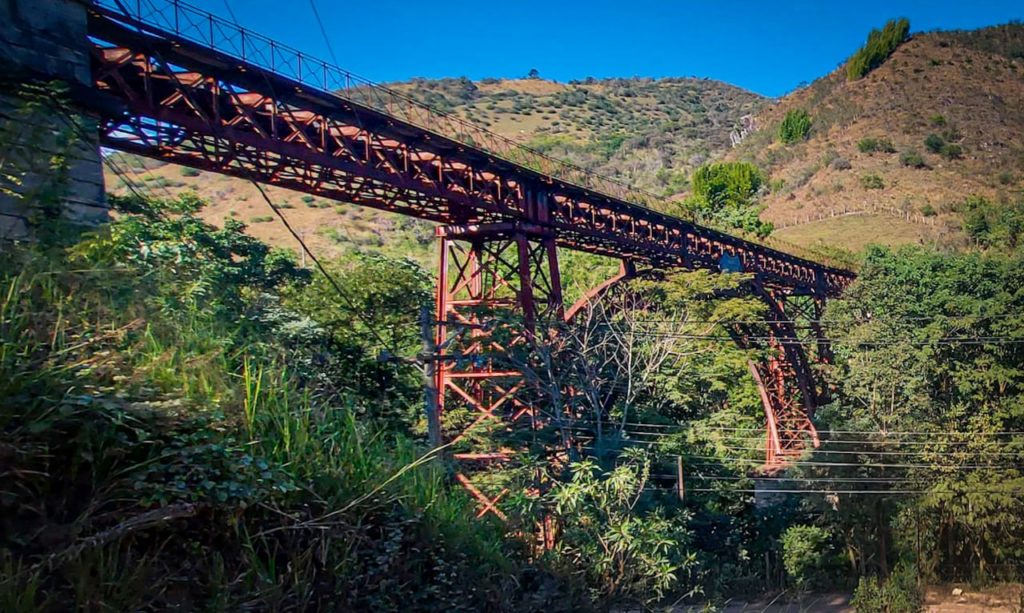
[[496, 285]]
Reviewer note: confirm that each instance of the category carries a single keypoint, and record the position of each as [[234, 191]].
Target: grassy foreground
[[176, 433]]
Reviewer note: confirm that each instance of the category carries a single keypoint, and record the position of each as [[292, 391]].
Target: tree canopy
[[879, 46], [725, 194]]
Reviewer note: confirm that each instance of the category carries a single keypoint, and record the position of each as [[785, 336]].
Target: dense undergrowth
[[189, 420], [175, 433]]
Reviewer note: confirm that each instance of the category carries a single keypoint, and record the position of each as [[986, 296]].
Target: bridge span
[[175, 83]]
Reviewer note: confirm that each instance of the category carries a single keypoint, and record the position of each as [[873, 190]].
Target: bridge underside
[[499, 274], [174, 96]]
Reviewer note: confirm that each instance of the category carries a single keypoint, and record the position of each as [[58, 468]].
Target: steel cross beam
[[486, 274]]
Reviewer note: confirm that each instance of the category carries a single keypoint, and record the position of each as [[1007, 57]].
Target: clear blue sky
[[768, 46]]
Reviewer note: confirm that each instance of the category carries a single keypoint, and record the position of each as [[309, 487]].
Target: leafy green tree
[[223, 265], [920, 346], [725, 193], [795, 126], [989, 224], [628, 548], [879, 46], [373, 320]]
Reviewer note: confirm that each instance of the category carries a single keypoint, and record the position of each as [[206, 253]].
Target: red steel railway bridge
[[178, 84]]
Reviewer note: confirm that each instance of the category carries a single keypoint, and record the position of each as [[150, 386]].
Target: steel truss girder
[[200, 107]]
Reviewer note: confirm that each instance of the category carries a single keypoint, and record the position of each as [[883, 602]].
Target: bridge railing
[[188, 22]]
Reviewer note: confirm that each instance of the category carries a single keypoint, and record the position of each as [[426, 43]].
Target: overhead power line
[[323, 31], [871, 466], [830, 431], [825, 492], [713, 478], [702, 429], [972, 340]]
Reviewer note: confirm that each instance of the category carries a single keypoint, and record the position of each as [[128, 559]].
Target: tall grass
[[104, 390], [344, 461]]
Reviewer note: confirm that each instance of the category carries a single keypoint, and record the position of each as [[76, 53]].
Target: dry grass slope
[[960, 86]]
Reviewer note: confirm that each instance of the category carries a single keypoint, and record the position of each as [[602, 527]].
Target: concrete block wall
[[47, 40]]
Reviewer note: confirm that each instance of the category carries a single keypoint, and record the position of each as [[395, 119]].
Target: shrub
[[308, 199], [261, 218], [897, 594], [190, 172], [912, 159], [872, 182], [795, 126], [937, 120], [928, 211], [841, 163], [934, 143], [879, 46], [806, 555], [872, 145], [952, 151], [625, 551]]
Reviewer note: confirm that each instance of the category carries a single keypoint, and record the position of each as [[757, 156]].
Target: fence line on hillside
[[807, 218]]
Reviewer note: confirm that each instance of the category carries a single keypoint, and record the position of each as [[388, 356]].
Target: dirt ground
[[1002, 598], [816, 603]]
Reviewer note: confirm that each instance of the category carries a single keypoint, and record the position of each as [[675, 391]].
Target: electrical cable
[[768, 492], [931, 466], [64, 115], [323, 31], [865, 432], [350, 303]]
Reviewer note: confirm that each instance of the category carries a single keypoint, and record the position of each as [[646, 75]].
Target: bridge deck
[[190, 91]]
